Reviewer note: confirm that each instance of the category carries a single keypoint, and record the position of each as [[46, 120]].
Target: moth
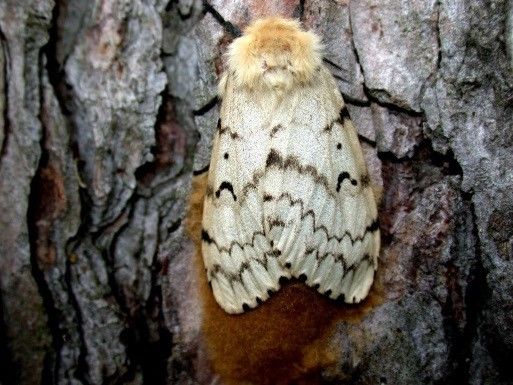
[[288, 193]]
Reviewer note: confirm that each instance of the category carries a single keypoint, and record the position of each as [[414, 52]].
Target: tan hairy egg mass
[[284, 341]]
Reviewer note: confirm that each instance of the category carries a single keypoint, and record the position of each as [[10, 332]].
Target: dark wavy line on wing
[[205, 237], [339, 257], [373, 226], [231, 277], [276, 160], [217, 269], [366, 258], [343, 116], [227, 130], [252, 185]]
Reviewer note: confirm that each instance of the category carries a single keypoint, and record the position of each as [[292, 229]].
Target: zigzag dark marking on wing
[[288, 163], [217, 269], [275, 130], [275, 253], [341, 119], [251, 185], [274, 159], [370, 228], [231, 277], [275, 222], [224, 130], [255, 180], [205, 236], [338, 258]]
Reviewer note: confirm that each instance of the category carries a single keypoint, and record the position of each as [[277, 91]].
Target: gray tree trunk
[[109, 105]]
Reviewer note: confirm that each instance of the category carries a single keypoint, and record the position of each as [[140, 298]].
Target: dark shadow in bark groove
[[37, 200], [6, 364], [423, 153], [461, 342], [55, 71], [7, 128], [36, 206], [147, 340], [144, 352]]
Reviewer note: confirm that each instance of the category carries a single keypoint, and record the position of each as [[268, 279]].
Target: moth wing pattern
[[288, 194], [240, 258]]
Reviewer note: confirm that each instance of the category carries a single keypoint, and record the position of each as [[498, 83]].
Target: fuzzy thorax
[[274, 53]]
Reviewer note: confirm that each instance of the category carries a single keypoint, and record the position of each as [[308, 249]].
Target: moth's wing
[[241, 264], [339, 237]]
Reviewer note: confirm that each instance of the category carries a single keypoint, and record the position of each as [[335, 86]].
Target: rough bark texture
[[109, 105]]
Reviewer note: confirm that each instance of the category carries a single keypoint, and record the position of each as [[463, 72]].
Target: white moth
[[288, 191]]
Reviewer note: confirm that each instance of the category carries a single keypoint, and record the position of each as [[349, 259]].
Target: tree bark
[[109, 106]]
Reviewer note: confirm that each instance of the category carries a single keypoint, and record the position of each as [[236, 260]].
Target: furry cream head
[[274, 53]]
